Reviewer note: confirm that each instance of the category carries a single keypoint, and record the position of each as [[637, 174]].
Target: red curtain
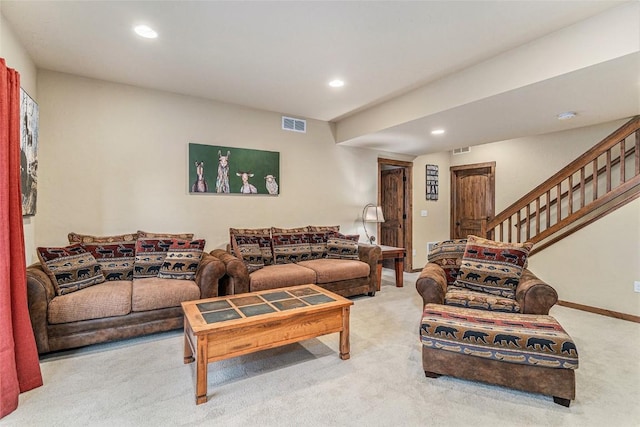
[[19, 365]]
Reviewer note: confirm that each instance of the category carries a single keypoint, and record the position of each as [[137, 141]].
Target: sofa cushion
[[153, 293], [461, 297], [263, 235], [148, 235], [182, 260], [492, 267], [70, 268], [150, 254], [526, 339], [448, 255], [333, 270], [107, 299], [289, 230], [323, 228], [248, 250], [290, 247], [115, 259], [280, 276], [87, 238], [318, 235], [340, 246]]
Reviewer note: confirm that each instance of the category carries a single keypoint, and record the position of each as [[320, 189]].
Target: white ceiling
[[279, 56]]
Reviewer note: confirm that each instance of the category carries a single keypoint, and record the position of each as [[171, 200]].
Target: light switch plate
[[423, 213]]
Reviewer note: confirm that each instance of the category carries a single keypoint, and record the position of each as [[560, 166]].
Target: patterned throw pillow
[[340, 246], [248, 250], [182, 260], [318, 237], [264, 241], [492, 267], [115, 259], [86, 238], [70, 268], [181, 236], [150, 254], [448, 255], [290, 245]]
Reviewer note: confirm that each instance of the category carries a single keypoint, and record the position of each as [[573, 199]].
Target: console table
[[397, 254]]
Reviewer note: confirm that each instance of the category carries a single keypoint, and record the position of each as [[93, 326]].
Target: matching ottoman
[[523, 351]]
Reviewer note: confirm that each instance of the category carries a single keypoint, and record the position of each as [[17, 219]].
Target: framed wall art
[[29, 116], [230, 170], [432, 182]]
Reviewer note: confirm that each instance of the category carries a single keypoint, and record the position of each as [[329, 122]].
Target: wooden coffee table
[[230, 326]]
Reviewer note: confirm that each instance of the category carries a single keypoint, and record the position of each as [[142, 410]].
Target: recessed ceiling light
[[437, 132], [336, 83], [145, 31], [566, 115]]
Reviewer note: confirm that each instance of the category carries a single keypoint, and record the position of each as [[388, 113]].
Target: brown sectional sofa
[[346, 277], [113, 309]]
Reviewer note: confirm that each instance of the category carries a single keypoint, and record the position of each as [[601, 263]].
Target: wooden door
[[393, 203], [472, 199]]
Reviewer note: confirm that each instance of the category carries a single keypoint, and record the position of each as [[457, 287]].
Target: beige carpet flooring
[[143, 382]]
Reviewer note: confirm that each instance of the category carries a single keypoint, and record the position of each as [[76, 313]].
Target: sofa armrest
[[432, 284], [236, 279], [370, 254], [40, 292], [210, 270], [534, 295]]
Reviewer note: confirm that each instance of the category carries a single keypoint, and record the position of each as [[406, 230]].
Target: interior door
[[472, 199], [393, 203]]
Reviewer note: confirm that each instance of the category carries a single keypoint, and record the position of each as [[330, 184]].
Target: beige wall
[[16, 57], [595, 266], [435, 226], [113, 158]]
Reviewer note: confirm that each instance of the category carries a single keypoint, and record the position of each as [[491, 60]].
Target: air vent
[[462, 150], [295, 125]]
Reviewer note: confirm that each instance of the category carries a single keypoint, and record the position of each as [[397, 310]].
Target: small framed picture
[[432, 182]]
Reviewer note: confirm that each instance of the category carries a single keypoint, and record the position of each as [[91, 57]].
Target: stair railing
[[608, 173]]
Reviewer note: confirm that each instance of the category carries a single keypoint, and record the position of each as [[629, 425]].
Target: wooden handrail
[[575, 187], [631, 196], [589, 156], [583, 181]]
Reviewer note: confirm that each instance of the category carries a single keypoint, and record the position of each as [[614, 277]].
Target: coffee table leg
[[188, 351], [201, 370], [344, 334]]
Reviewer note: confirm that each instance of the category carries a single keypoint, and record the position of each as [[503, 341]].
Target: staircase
[[598, 182]]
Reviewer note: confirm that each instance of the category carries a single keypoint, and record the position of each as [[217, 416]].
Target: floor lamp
[[371, 213]]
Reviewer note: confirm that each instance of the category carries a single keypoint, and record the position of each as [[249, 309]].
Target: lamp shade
[[373, 214]]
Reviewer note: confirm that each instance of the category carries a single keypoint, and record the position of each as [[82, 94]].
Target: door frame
[[492, 188], [408, 204]]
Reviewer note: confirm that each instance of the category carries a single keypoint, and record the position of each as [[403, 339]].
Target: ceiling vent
[[295, 125], [462, 150]]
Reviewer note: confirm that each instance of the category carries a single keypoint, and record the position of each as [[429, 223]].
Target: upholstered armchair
[[482, 274]]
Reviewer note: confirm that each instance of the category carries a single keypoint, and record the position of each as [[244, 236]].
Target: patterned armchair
[[483, 274]]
